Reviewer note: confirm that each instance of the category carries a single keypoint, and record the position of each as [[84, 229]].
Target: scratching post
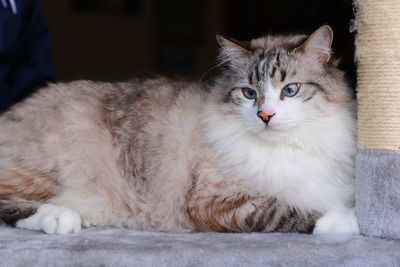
[[378, 94]]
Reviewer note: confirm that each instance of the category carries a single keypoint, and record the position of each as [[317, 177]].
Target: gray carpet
[[378, 192], [116, 247]]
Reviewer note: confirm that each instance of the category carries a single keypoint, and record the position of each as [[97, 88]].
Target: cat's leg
[[52, 219], [35, 200], [23, 194], [240, 212], [342, 221]]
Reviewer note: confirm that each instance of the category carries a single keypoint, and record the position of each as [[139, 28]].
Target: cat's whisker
[[236, 136], [221, 150], [216, 66]]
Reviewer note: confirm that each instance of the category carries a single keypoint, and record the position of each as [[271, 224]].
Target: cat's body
[[175, 156]]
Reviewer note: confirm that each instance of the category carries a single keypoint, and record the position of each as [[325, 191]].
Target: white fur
[[337, 222], [52, 219], [305, 157]]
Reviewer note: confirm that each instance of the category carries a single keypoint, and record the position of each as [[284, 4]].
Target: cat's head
[[277, 84]]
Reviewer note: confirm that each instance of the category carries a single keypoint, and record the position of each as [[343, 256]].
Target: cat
[[268, 147]]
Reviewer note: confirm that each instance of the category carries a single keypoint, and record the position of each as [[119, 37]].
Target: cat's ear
[[319, 44], [232, 50]]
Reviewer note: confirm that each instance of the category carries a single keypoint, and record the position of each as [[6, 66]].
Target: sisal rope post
[[378, 95], [378, 61]]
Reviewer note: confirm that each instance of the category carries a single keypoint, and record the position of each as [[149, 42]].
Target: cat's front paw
[[337, 222], [52, 219]]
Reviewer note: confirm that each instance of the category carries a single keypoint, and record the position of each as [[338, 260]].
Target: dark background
[[119, 39]]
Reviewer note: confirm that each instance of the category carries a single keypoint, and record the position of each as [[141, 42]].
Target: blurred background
[[109, 40], [119, 39]]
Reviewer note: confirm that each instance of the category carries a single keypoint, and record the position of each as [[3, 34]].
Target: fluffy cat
[[269, 147]]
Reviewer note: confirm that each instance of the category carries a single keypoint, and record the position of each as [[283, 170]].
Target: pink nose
[[265, 116]]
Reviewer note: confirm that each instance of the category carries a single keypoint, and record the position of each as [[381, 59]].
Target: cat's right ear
[[232, 51], [318, 44]]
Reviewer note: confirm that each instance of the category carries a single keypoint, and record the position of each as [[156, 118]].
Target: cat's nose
[[265, 116]]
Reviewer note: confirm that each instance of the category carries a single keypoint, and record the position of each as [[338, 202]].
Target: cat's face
[[277, 85]]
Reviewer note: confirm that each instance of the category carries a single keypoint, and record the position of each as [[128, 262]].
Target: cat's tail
[[13, 209]]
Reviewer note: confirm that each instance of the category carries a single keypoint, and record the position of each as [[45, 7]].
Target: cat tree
[[378, 94]]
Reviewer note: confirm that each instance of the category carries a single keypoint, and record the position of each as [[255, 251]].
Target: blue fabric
[[25, 62]]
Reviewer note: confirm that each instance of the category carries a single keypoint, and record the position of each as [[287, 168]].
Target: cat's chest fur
[[316, 173]]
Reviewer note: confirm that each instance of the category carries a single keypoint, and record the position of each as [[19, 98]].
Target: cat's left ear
[[232, 50], [319, 44]]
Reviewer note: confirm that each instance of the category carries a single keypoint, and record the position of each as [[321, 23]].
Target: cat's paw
[[52, 219], [337, 222]]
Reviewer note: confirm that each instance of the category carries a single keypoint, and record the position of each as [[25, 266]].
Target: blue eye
[[249, 93], [290, 90]]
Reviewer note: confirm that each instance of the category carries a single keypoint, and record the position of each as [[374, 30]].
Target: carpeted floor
[[118, 247]]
